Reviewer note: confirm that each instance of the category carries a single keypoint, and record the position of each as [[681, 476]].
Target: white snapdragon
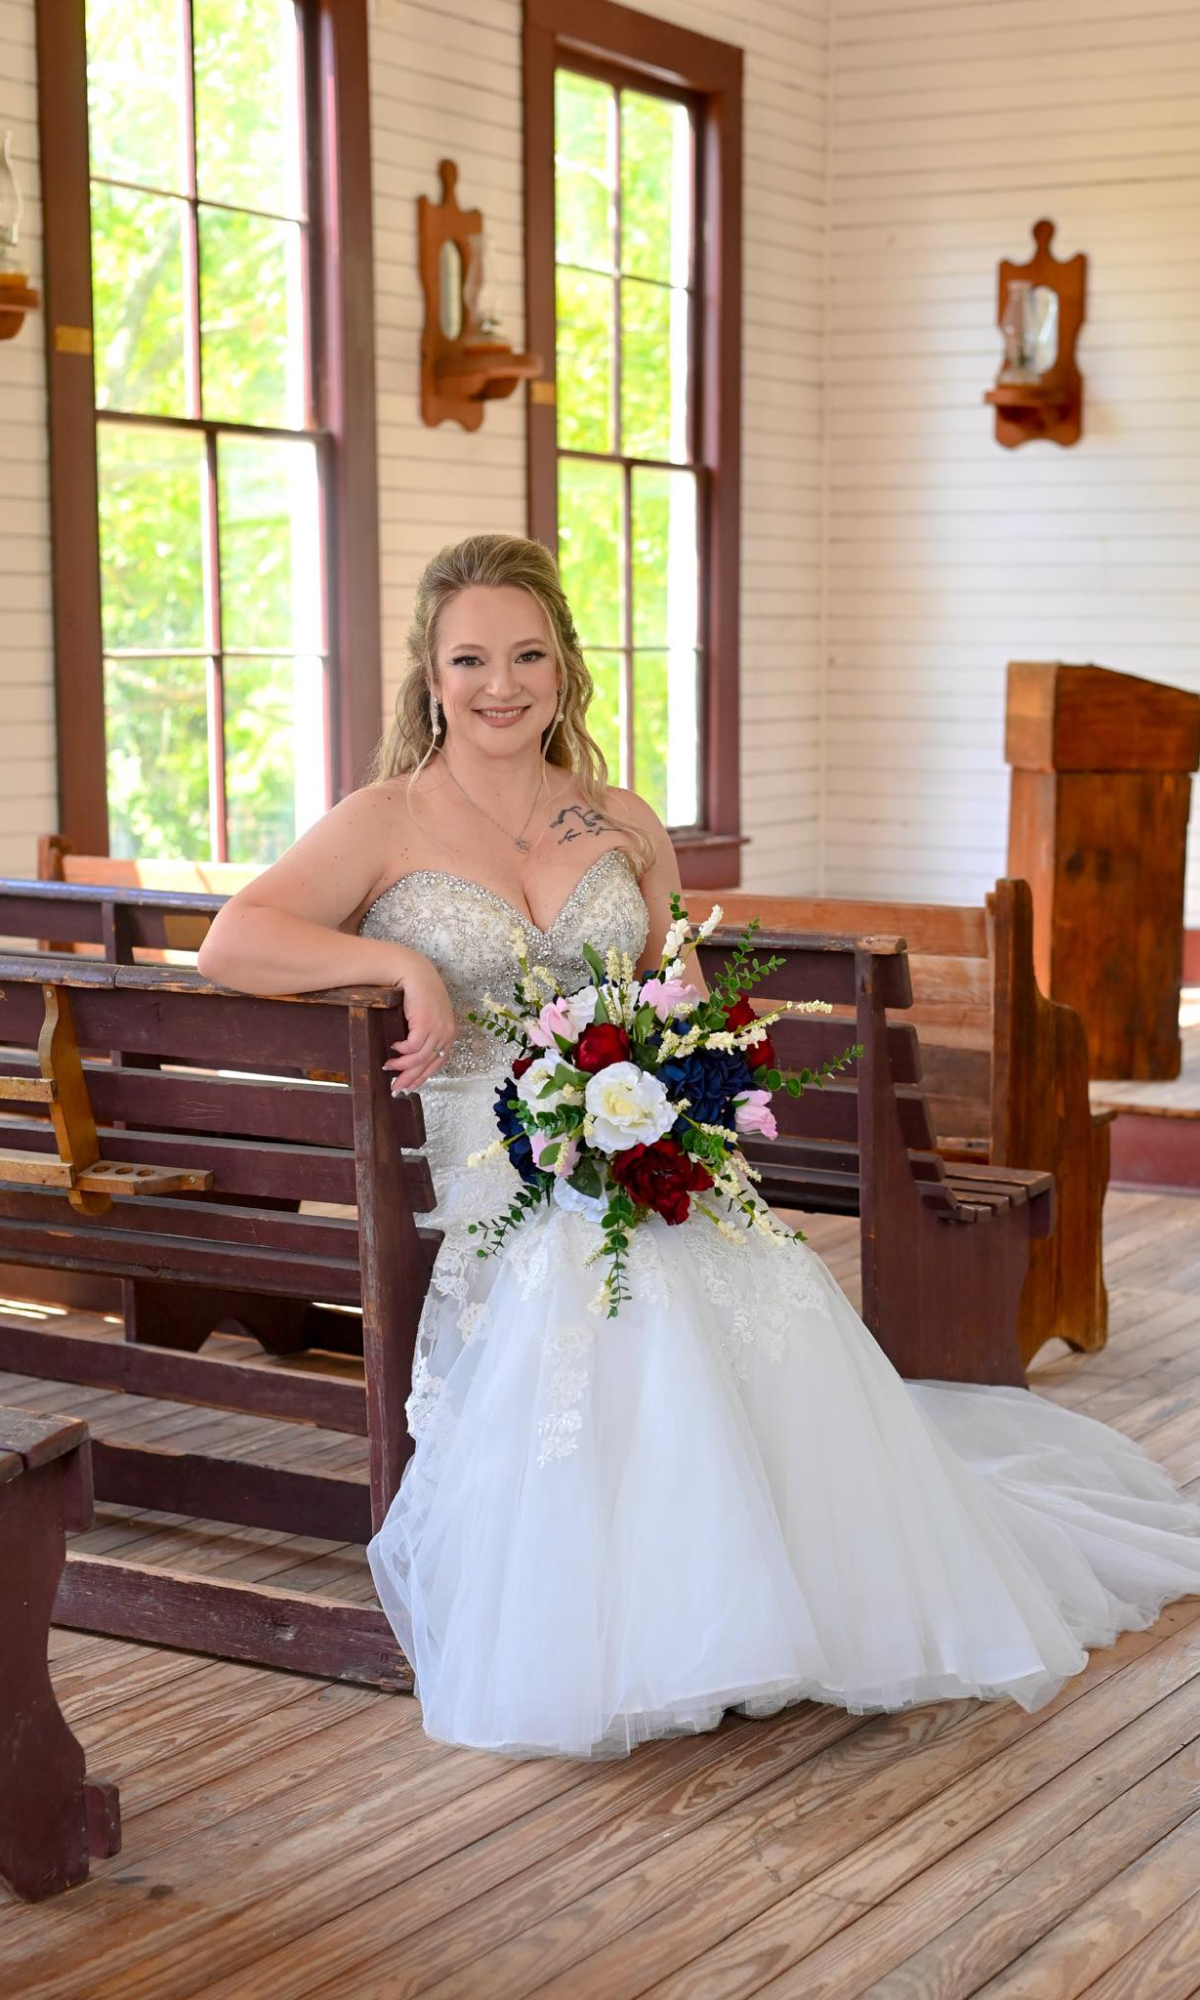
[[628, 1106], [711, 921], [495, 1151]]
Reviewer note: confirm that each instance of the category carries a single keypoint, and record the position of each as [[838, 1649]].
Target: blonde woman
[[725, 1497]]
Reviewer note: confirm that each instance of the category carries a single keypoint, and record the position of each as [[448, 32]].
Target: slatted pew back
[[817, 1160], [953, 985], [214, 1139]]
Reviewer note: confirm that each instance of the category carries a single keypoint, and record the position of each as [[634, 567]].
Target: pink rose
[[668, 996], [539, 1141], [751, 1113], [554, 1019]]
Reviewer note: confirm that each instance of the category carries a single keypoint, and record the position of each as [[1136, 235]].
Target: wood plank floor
[[288, 1840]]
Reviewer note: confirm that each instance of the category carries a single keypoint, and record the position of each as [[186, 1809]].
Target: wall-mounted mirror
[[450, 289]]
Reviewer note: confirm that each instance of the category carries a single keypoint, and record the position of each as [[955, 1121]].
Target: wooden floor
[[284, 1838]]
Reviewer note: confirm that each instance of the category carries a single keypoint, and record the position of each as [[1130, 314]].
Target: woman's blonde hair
[[492, 561]]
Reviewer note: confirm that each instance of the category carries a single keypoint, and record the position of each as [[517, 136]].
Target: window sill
[[709, 860]]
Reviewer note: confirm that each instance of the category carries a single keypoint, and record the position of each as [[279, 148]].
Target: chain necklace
[[518, 839]]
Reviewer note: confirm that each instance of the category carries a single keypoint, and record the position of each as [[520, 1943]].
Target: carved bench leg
[[52, 1818]]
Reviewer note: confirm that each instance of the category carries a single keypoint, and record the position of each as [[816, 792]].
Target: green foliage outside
[[594, 498], [154, 495], [154, 482]]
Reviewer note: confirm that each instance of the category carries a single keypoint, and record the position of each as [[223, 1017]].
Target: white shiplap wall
[[446, 78], [28, 778], [954, 126]]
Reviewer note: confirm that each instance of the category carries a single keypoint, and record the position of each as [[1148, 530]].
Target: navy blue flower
[[521, 1151], [709, 1079]]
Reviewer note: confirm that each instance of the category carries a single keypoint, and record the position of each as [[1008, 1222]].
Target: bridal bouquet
[[628, 1098]]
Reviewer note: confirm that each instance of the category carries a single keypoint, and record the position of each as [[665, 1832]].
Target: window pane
[[274, 754], [137, 302], [666, 733], [606, 715], [591, 544], [248, 145], [654, 370], [584, 171], [656, 188], [252, 341], [585, 361], [135, 92], [151, 537], [666, 571], [270, 545], [156, 731]]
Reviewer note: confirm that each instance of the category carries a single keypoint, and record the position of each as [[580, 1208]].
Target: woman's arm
[[280, 934]]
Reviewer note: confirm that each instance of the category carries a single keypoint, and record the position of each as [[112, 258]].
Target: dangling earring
[[558, 714], [435, 713]]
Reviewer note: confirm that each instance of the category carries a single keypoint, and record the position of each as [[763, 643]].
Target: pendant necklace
[[518, 839]]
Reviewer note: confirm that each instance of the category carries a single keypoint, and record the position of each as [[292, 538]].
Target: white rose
[[591, 1205], [580, 1009], [531, 1086], [628, 1107]]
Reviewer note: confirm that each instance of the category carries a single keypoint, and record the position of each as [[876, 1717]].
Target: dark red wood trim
[[346, 360], [339, 142], [604, 35], [75, 547], [232, 1621], [1191, 958], [251, 1495], [185, 1378], [1162, 1154]]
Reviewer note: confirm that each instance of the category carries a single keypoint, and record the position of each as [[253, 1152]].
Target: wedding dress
[[726, 1497]]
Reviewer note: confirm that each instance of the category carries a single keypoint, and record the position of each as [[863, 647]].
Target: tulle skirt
[[726, 1497]]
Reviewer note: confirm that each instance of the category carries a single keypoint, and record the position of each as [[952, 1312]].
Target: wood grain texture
[[286, 1840]]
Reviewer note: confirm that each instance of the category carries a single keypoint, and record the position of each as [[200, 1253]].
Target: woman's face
[[497, 679]]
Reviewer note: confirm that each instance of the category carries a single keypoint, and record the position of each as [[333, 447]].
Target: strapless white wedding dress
[[726, 1497]]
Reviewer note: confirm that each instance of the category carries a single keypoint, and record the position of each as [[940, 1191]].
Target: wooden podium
[[1098, 825]]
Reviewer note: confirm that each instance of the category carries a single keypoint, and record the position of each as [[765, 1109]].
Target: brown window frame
[[634, 49], [344, 377]]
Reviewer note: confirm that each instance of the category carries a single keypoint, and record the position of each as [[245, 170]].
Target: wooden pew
[[53, 1817], [1005, 1071], [945, 1248], [1024, 1105], [165, 1176]]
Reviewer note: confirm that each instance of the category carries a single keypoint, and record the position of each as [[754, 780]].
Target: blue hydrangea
[[710, 1078], [521, 1151]]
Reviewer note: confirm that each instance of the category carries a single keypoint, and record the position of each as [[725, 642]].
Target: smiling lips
[[500, 718]]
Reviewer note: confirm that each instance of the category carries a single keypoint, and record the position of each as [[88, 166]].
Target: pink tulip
[[751, 1113], [668, 996]]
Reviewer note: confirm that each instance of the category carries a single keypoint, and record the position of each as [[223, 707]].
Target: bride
[[725, 1497]]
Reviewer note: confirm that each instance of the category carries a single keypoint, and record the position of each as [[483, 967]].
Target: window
[[219, 656], [632, 182]]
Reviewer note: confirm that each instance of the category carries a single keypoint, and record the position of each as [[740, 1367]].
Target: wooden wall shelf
[[1051, 405], [17, 299], [462, 365]]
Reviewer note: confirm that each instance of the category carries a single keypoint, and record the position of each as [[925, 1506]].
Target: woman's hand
[[431, 1027]]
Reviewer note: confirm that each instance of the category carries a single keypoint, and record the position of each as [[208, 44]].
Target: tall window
[[628, 477], [633, 192], [221, 612], [210, 531]]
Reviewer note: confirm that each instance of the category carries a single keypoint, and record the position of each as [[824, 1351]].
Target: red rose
[[760, 1054], [522, 1064], [661, 1177], [600, 1045]]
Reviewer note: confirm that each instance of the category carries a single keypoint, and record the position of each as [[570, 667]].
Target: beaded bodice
[[467, 930]]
